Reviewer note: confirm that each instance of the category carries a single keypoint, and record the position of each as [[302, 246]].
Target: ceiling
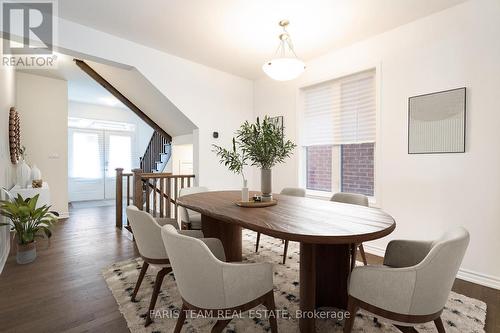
[[238, 36], [130, 82], [81, 88]]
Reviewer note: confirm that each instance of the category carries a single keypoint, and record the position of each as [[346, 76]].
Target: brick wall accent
[[319, 168], [358, 168]]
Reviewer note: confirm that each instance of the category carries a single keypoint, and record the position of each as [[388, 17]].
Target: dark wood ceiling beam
[[113, 91]]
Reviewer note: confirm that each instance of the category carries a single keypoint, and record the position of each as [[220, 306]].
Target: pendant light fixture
[[285, 65]]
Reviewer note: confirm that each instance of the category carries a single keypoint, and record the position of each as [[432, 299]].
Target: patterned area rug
[[461, 314]]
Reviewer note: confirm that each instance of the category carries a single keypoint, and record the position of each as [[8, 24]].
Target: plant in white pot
[[29, 223], [235, 161]]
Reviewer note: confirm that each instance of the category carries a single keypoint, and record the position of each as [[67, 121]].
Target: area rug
[[461, 314]]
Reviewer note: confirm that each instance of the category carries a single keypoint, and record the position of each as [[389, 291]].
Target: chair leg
[[352, 308], [353, 256], [144, 268], [363, 255], [257, 243], [220, 325], [156, 290], [181, 319], [439, 325], [285, 251], [271, 308]]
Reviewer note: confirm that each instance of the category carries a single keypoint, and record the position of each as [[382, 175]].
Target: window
[[339, 134]]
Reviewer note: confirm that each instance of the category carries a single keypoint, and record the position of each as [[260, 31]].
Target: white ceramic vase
[[23, 174], [36, 174], [244, 192]]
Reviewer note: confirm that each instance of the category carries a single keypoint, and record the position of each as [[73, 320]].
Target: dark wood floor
[[64, 291]]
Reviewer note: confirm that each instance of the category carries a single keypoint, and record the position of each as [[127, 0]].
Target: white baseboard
[[464, 274], [375, 250], [479, 278]]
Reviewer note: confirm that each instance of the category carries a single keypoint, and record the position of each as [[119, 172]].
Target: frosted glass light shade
[[283, 69]]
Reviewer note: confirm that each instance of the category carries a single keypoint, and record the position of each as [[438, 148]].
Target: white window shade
[[340, 111]]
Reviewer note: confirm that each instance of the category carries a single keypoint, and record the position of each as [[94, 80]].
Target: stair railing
[[155, 193], [153, 152]]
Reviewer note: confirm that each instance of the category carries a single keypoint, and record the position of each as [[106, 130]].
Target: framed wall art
[[436, 122]]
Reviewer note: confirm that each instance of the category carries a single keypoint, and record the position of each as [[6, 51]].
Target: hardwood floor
[[63, 291]]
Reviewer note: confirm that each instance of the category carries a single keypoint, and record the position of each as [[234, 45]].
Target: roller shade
[[340, 111]]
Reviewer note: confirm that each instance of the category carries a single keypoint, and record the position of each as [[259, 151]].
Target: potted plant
[[235, 161], [29, 223], [263, 145]]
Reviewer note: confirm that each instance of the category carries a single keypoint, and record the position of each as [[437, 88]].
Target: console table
[[30, 192]]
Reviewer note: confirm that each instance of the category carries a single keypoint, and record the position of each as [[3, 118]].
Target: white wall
[[182, 151], [132, 84], [427, 194], [7, 100], [211, 99], [143, 131], [43, 106]]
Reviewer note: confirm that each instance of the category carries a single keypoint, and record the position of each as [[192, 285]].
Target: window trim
[[376, 199]]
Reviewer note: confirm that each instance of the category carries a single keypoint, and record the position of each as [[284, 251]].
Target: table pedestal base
[[324, 271], [229, 234]]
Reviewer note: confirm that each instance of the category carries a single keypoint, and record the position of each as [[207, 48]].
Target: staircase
[[157, 153], [159, 148]]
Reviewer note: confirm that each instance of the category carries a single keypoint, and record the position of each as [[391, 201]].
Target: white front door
[[86, 164], [93, 157], [118, 152]]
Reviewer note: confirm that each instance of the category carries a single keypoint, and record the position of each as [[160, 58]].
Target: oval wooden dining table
[[327, 231]]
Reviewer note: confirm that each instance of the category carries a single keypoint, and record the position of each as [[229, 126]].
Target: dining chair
[[353, 199], [147, 235], [190, 219], [209, 285], [413, 284], [292, 191]]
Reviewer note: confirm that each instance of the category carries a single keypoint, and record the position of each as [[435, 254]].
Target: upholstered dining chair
[[190, 219], [353, 199], [208, 284], [292, 191], [147, 235], [414, 283]]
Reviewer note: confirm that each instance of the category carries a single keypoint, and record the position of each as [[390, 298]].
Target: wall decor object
[[436, 122], [23, 176], [278, 121], [14, 135], [36, 174]]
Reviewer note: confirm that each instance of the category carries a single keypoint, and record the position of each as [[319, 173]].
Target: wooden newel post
[[138, 188], [119, 197]]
